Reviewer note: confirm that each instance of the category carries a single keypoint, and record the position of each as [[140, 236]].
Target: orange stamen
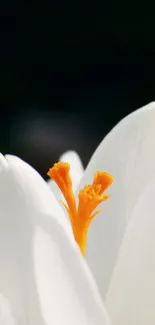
[[60, 174], [89, 198]]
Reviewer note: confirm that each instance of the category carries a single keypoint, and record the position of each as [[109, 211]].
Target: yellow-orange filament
[[89, 198]]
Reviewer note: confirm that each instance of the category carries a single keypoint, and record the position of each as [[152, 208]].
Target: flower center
[[90, 197]]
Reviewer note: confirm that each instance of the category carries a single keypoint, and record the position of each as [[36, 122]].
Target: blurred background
[[69, 72]]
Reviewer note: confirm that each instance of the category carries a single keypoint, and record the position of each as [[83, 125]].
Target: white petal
[[6, 317], [69, 296], [55, 189], [131, 296], [128, 153], [43, 276], [76, 171], [74, 159]]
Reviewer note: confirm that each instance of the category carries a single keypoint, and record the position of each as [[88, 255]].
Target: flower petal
[[131, 295], [74, 159], [6, 317], [76, 172], [43, 276], [128, 153], [66, 290]]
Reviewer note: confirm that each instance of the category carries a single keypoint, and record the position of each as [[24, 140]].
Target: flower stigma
[[89, 198]]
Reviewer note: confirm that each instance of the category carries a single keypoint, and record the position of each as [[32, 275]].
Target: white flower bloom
[[44, 279], [121, 240]]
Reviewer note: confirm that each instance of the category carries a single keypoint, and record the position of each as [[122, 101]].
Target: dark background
[[69, 72]]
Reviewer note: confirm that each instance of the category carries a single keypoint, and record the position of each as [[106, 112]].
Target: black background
[[69, 72]]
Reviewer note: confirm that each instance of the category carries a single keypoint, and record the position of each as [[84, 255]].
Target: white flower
[[44, 279], [121, 240]]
